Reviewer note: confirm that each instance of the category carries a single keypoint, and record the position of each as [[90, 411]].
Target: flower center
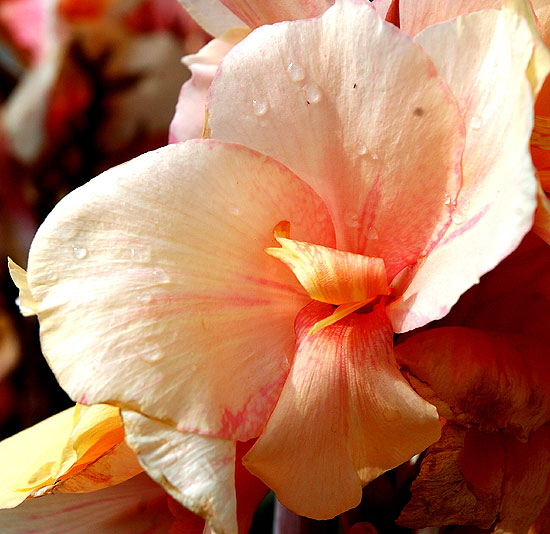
[[347, 280]]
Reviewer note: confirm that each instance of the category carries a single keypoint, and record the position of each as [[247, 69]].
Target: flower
[[246, 288]]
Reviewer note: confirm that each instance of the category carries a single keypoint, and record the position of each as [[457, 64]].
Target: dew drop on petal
[[361, 148], [150, 352], [140, 254], [161, 276], [372, 233], [458, 217], [466, 205], [313, 94], [352, 220], [234, 210], [374, 156], [475, 122], [144, 298], [259, 107], [295, 72], [80, 252], [447, 200]]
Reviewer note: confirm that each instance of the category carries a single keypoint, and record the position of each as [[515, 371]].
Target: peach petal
[[416, 15], [172, 304], [212, 15], [258, 12], [188, 122], [359, 135], [345, 415], [496, 204], [197, 471], [330, 275], [138, 506], [497, 381]]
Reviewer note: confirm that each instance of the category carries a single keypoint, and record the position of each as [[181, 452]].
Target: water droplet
[[475, 122], [361, 148], [391, 415], [352, 220], [150, 352], [372, 233], [458, 217], [234, 210], [161, 276], [466, 205], [295, 71], [374, 156], [51, 276], [144, 298], [447, 199], [313, 94], [80, 252], [140, 254], [259, 107]]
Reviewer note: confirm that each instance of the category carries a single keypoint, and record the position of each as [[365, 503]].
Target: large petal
[[498, 381], [496, 204], [359, 113], [155, 275], [345, 416], [138, 506], [197, 471]]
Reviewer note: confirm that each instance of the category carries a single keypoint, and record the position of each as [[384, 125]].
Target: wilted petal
[[496, 380], [163, 288], [138, 506], [380, 140], [345, 415], [197, 471], [443, 495], [483, 479], [497, 201]]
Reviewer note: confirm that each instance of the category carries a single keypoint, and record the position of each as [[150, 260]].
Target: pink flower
[[248, 287]]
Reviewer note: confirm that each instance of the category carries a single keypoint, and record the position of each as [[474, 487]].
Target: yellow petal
[[80, 441], [330, 275]]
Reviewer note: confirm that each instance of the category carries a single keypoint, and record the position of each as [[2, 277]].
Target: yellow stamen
[[339, 313]]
